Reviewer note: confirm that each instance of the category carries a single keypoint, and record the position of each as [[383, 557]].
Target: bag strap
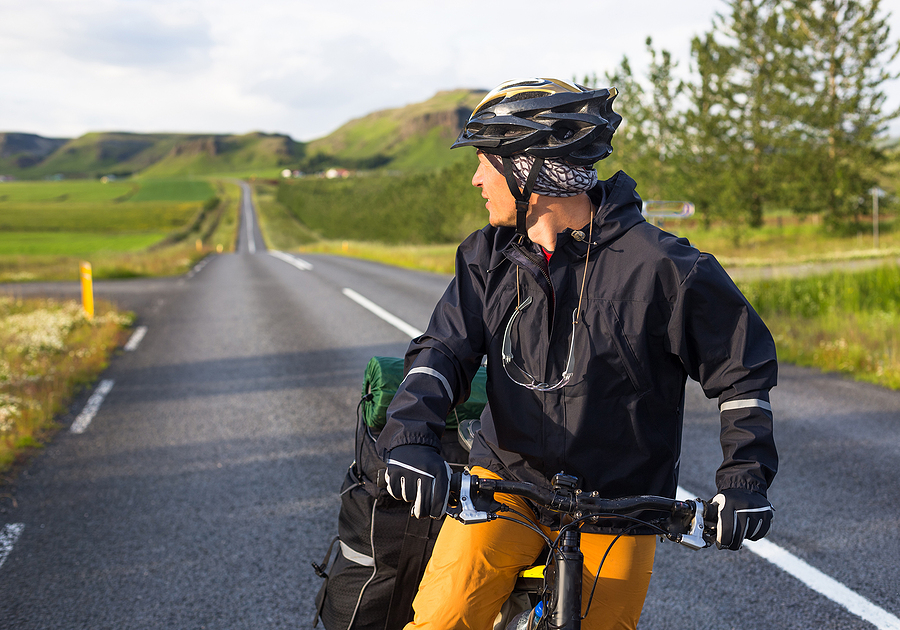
[[320, 571], [410, 567]]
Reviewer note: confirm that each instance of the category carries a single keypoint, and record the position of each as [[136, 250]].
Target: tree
[[748, 70], [648, 140], [846, 52]]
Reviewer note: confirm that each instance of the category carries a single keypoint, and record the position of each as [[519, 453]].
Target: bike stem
[[569, 563]]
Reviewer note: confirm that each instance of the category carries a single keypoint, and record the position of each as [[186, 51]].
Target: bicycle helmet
[[543, 118]]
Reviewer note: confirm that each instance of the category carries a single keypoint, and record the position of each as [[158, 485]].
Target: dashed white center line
[[816, 580], [136, 338], [248, 219], [8, 537], [299, 263], [92, 407], [393, 320]]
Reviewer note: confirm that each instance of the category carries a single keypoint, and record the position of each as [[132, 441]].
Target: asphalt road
[[207, 481]]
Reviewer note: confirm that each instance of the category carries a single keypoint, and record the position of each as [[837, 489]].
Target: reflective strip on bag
[[355, 556]]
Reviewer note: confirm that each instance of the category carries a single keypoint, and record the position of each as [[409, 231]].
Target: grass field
[[125, 228], [48, 350], [173, 190], [840, 321], [74, 243], [66, 191]]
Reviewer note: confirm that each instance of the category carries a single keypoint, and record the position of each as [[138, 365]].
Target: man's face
[[500, 203]]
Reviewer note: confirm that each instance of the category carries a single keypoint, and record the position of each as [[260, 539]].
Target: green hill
[[155, 154], [411, 138], [19, 151]]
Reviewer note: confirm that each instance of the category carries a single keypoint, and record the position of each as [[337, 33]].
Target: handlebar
[[691, 523]]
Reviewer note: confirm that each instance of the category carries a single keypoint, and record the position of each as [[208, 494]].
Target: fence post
[[87, 290]]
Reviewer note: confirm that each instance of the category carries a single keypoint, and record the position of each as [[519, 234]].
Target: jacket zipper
[[546, 275]]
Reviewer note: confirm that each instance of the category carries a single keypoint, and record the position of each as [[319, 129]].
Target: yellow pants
[[474, 567]]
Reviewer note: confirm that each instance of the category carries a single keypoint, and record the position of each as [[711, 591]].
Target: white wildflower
[[42, 329], [10, 409]]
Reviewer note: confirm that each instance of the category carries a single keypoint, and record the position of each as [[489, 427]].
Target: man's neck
[[549, 216]]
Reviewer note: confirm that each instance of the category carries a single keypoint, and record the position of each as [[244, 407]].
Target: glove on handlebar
[[743, 514], [418, 474]]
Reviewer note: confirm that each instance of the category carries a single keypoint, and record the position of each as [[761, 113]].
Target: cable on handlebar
[[600, 566]]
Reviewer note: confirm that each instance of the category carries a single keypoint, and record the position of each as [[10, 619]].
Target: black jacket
[[655, 311]]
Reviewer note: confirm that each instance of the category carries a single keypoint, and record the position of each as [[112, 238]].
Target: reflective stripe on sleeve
[[744, 404], [432, 372]]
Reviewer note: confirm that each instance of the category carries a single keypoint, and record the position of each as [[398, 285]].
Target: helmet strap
[[523, 197]]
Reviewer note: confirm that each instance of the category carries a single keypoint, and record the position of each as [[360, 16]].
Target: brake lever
[[465, 511], [693, 538]]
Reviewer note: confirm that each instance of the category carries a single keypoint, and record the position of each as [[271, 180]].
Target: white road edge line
[[8, 537], [299, 263], [92, 407], [394, 321], [200, 265], [781, 558], [816, 580], [136, 338]]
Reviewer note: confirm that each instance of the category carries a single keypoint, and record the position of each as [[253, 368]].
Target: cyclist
[[591, 320]]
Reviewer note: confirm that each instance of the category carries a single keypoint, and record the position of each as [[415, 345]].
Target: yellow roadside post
[[199, 245], [87, 290]]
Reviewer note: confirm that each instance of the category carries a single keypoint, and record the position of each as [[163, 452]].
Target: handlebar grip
[[455, 481]]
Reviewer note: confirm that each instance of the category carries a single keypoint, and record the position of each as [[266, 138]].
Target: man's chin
[[497, 222]]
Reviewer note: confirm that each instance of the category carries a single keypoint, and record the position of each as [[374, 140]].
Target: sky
[[304, 68]]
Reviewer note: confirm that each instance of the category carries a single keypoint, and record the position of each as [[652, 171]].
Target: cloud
[[301, 67], [133, 34], [138, 39]]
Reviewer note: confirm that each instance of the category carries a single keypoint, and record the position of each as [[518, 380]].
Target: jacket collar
[[619, 210]]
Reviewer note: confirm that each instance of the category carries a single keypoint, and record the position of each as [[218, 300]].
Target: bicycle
[[556, 599]]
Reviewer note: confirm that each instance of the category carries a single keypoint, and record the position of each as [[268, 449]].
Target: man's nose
[[477, 178]]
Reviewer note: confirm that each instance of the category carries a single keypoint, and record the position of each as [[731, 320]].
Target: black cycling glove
[[418, 474], [743, 514]]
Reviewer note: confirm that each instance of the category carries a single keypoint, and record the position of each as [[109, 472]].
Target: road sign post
[[876, 193]]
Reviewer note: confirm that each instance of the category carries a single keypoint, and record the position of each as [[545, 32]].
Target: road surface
[[207, 479]]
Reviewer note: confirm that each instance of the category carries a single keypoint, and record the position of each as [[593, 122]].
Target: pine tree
[[650, 134], [846, 50], [741, 106]]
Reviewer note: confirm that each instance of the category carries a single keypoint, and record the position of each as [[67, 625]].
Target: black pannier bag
[[381, 550]]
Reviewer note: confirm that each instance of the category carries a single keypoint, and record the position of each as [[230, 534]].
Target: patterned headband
[[556, 179]]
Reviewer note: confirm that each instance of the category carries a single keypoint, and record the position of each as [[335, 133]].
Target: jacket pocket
[[612, 327]]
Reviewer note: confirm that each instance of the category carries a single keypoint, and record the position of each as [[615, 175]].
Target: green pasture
[[73, 243], [173, 190], [107, 217], [65, 191], [125, 228], [96, 191]]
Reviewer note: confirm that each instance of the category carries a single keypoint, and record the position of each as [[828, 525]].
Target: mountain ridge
[[414, 137]]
